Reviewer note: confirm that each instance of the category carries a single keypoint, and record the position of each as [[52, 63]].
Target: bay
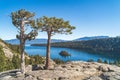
[[76, 54]]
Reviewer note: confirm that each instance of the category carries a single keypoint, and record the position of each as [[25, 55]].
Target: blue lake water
[[75, 54]]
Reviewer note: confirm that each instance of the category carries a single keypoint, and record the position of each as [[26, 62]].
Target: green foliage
[[35, 59], [58, 61], [27, 61], [54, 25], [64, 54], [105, 61], [99, 60], [16, 61], [5, 64], [90, 60], [2, 60], [19, 15], [9, 65], [21, 19]]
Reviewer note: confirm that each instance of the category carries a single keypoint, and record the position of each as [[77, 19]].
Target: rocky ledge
[[77, 70]]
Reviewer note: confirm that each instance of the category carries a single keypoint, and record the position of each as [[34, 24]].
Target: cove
[[76, 54]]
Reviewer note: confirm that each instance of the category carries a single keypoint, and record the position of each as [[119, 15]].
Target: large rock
[[19, 74], [38, 67], [110, 76], [28, 68], [103, 68], [5, 78], [8, 52]]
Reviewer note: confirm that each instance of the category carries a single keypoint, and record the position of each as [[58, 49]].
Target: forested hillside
[[10, 57], [103, 45]]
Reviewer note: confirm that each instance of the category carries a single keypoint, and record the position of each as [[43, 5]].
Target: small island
[[64, 54]]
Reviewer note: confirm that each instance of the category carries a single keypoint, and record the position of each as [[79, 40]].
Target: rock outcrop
[[7, 50], [76, 70]]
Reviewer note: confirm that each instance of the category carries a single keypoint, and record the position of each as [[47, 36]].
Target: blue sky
[[91, 17]]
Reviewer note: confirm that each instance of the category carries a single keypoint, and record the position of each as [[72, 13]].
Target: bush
[[16, 61], [9, 65], [5, 64], [105, 61], [64, 54], [99, 60], [35, 59], [58, 61], [2, 60], [90, 60]]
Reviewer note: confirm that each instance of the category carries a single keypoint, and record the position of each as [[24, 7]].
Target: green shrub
[[90, 60], [35, 59], [9, 65], [105, 61], [16, 61], [99, 60], [2, 60], [58, 61]]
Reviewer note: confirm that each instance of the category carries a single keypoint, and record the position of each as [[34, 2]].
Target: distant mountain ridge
[[91, 38], [36, 41], [44, 41]]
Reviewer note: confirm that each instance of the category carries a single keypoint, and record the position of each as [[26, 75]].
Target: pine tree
[[52, 26], [23, 19], [2, 60]]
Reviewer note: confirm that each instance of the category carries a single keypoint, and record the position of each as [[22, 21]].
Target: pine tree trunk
[[22, 45], [48, 51]]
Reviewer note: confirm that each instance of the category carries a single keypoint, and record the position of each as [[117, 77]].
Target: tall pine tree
[[52, 26], [23, 19]]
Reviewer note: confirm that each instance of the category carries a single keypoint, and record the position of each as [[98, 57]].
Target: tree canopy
[[28, 20], [54, 25]]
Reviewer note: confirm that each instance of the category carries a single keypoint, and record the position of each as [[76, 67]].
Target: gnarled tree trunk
[[47, 66], [22, 46]]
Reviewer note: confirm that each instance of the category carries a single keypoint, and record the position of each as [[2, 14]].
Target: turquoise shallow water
[[75, 54]]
